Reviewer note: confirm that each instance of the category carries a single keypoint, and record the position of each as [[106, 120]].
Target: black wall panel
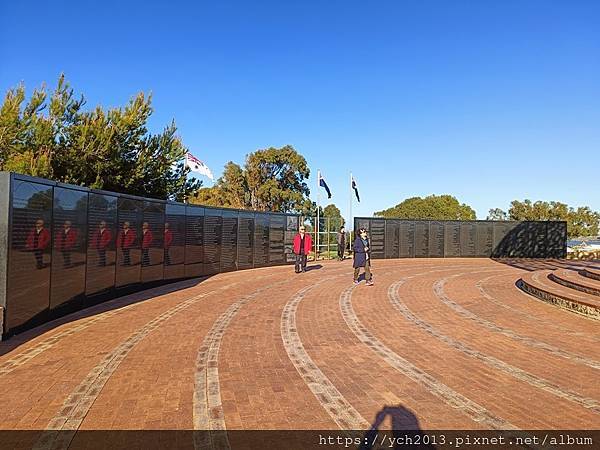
[[392, 239], [556, 233], [261, 239], [277, 226], [213, 228], [194, 241], [421, 239], [129, 247], [468, 238], [101, 243], [452, 239], [407, 239], [152, 237], [291, 228], [174, 241], [229, 241], [501, 233], [485, 239], [425, 238], [377, 238], [245, 240], [28, 286], [436, 239], [67, 282]]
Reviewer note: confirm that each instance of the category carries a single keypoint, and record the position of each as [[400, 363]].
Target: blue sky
[[488, 101]]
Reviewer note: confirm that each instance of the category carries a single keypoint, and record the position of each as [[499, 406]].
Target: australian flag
[[323, 184], [355, 187]]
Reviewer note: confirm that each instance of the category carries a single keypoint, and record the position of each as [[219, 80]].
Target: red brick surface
[[453, 340]]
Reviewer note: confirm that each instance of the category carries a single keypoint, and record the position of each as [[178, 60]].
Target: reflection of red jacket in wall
[[126, 240], [168, 238], [101, 239], [65, 240], [42, 241], [147, 239]]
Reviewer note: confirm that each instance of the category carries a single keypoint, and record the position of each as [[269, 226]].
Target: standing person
[[125, 241], [147, 239], [37, 241], [341, 242], [362, 256], [302, 247], [65, 241], [167, 242], [100, 242]]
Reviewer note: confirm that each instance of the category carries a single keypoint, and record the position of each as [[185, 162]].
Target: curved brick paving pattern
[[453, 340]]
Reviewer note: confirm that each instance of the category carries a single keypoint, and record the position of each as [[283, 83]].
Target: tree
[[336, 220], [272, 179], [497, 214], [433, 207], [581, 221], [54, 137]]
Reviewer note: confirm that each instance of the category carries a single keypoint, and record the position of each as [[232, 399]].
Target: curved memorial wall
[[400, 238], [65, 247]]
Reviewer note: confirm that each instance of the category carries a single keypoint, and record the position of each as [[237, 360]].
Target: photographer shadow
[[406, 431]]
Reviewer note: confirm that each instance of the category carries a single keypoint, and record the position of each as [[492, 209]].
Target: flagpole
[[350, 221], [318, 205]]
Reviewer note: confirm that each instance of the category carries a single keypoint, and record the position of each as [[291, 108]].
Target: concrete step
[[575, 280], [539, 285], [591, 272]]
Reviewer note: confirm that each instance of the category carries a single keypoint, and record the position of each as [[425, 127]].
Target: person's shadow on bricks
[[406, 431]]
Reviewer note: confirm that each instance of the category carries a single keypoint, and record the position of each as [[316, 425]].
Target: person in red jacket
[[125, 242], [101, 241], [65, 241], [167, 242], [37, 241], [147, 239], [302, 247]]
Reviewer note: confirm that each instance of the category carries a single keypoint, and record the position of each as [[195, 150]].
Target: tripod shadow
[[406, 431]]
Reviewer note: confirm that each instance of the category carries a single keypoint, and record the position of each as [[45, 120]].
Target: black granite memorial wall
[[69, 246], [399, 238]]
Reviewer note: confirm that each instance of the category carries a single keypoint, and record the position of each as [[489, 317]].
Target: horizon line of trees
[[51, 135]]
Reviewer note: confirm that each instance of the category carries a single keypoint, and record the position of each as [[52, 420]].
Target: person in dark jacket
[[341, 243], [302, 247], [362, 256]]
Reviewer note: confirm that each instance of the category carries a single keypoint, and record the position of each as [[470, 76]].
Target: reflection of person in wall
[[37, 241], [100, 242], [168, 240], [64, 241], [302, 247], [146, 242], [125, 241]]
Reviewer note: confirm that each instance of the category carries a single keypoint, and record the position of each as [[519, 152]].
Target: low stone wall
[[561, 302]]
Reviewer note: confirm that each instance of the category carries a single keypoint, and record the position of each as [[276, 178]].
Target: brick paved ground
[[453, 340]]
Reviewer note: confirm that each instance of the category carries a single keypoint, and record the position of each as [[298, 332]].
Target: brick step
[[539, 285], [591, 272], [575, 280]]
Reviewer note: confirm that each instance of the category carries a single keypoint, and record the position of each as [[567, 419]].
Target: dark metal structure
[[65, 247], [400, 238]]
